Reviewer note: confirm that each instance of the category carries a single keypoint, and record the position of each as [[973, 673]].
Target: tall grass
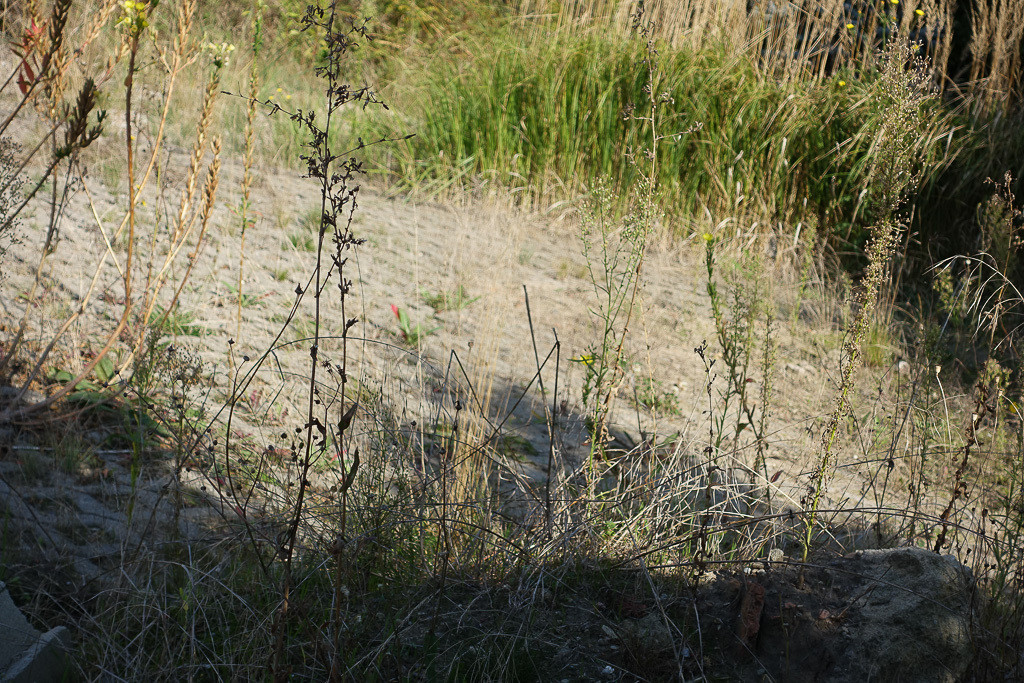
[[810, 38], [552, 114], [781, 92]]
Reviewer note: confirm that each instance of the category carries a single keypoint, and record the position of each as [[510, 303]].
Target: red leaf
[[26, 78], [775, 477], [394, 309]]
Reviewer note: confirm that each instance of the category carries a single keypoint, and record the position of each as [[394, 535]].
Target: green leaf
[[104, 370], [62, 376], [87, 393]]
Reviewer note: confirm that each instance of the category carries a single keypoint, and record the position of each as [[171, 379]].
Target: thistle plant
[[736, 334]]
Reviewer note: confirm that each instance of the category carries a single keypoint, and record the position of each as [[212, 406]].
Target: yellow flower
[[278, 90], [919, 12], [849, 26], [287, 97], [895, 2], [586, 359], [842, 84]]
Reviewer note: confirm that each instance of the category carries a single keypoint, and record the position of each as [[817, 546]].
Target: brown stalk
[[247, 177], [970, 440], [185, 220], [209, 197]]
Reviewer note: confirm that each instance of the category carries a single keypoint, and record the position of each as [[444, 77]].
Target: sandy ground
[[415, 249]]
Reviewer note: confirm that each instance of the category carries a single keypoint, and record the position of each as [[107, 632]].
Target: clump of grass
[[301, 241], [653, 396], [452, 300], [879, 346], [178, 323], [412, 333]]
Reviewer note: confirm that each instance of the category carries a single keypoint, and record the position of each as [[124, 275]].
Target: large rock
[[910, 619], [875, 615], [26, 655]]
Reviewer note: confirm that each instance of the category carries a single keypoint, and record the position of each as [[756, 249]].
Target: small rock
[[31, 396], [649, 634], [800, 369]]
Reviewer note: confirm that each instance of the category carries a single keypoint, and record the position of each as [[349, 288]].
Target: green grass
[[301, 241], [455, 299], [652, 395], [248, 300], [178, 322], [492, 99], [552, 112]]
